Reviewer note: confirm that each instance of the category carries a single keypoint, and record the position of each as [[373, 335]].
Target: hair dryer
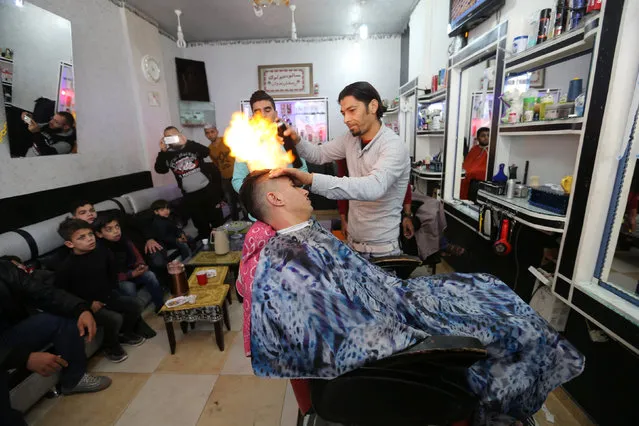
[[502, 247]]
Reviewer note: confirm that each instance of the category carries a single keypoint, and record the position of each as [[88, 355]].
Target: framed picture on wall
[[286, 80], [538, 78]]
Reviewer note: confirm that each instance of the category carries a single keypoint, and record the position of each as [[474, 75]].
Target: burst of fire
[[254, 141]]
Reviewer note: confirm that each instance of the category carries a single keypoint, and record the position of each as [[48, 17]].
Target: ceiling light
[[293, 26], [20, 3], [363, 31], [180, 35]]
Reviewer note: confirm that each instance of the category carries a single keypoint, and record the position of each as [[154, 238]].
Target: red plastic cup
[[201, 278]]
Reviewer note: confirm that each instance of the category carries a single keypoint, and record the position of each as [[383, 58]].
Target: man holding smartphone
[[199, 181], [55, 137]]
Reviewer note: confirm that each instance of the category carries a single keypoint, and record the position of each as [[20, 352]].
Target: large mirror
[[36, 67], [618, 264]]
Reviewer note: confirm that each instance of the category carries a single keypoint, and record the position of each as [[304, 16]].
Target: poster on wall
[[287, 80]]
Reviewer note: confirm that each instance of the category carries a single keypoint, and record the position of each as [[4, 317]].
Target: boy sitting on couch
[[130, 267], [89, 272], [166, 231]]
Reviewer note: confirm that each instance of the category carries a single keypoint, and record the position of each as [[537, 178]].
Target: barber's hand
[[86, 325], [152, 246], [344, 225], [298, 176], [163, 146], [45, 364], [96, 306], [408, 227]]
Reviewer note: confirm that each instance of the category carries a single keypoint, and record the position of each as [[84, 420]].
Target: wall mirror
[[617, 267], [36, 67]]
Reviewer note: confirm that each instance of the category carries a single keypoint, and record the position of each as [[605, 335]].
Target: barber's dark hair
[[70, 225], [77, 204], [68, 117], [159, 204], [363, 91], [171, 128], [482, 129], [11, 258], [104, 219], [261, 95], [248, 195]]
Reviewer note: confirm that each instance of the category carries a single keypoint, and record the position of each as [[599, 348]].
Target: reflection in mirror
[[474, 126], [36, 64], [624, 271]]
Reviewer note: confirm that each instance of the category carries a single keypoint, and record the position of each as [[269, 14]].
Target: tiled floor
[[624, 271], [201, 386]]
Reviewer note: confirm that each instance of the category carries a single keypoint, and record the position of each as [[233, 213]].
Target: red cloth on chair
[[302, 391]]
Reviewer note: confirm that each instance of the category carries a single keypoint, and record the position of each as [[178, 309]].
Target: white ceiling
[[214, 20]]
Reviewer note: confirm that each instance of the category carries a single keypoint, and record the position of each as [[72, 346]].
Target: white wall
[[40, 40], [428, 45], [144, 39], [232, 71], [107, 119]]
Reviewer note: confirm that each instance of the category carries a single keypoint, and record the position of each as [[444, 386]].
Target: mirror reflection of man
[[55, 137], [264, 104], [199, 181], [475, 162]]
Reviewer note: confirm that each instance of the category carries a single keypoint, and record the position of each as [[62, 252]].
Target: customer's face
[[357, 116], [87, 213], [211, 134], [82, 241], [111, 231], [266, 109], [295, 198]]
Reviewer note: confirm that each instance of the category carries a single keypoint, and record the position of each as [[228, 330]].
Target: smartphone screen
[[171, 140]]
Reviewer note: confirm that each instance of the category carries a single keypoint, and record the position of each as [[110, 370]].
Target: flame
[[255, 142]]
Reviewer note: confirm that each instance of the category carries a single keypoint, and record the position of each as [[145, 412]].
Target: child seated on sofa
[[89, 272], [132, 272], [166, 230]]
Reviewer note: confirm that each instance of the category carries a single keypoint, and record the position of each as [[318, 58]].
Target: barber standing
[[378, 165]]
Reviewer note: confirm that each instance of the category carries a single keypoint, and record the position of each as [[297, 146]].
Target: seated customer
[[166, 231], [130, 267], [89, 272], [155, 253], [64, 320], [320, 310]]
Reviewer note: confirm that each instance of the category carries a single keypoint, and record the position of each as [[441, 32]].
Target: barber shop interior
[[319, 212]]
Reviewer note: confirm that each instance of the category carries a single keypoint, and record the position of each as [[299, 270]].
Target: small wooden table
[[210, 305], [209, 258]]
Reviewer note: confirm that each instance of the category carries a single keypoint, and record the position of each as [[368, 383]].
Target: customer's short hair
[[250, 197], [68, 117], [261, 95], [104, 219], [69, 226], [159, 204], [482, 129], [171, 128], [75, 205], [363, 91]]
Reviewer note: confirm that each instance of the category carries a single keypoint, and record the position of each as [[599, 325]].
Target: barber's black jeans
[[231, 197], [34, 334], [201, 207], [120, 315]]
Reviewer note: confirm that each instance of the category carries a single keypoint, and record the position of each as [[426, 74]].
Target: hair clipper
[[289, 144]]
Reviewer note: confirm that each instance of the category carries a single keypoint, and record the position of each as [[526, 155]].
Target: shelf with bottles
[[431, 118], [438, 96], [430, 133], [6, 60], [567, 126], [560, 48]]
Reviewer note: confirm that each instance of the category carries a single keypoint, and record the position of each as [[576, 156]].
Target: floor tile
[[40, 410], [197, 353], [155, 322], [236, 361], [96, 409], [557, 413], [626, 261], [169, 399], [236, 316], [290, 409], [244, 400], [142, 359]]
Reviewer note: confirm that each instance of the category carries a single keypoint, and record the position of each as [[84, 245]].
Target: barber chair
[[423, 385]]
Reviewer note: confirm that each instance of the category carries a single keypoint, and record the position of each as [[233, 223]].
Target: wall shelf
[[566, 46], [437, 96], [430, 133], [569, 126], [5, 60], [392, 110], [524, 213]]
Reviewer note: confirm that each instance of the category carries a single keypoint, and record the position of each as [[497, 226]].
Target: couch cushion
[[12, 243], [45, 234], [142, 200]]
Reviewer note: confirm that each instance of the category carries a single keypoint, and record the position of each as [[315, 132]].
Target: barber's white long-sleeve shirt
[[376, 186]]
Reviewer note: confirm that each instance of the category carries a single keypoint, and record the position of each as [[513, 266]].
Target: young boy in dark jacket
[[166, 231], [89, 272], [131, 270]]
